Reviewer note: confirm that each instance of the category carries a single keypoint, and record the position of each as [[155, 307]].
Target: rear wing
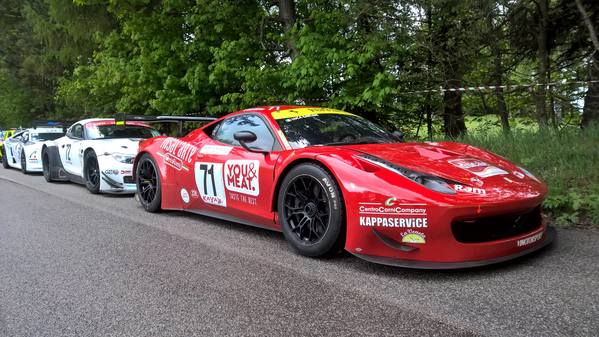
[[122, 119]]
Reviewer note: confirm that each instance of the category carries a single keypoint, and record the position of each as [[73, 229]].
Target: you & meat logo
[[243, 176]]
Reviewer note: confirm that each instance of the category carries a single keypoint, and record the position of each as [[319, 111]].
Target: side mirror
[[398, 135], [244, 137]]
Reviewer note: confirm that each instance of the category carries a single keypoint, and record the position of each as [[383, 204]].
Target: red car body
[[494, 214]]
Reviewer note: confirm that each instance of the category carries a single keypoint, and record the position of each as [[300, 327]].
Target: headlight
[[530, 175], [434, 183], [123, 158]]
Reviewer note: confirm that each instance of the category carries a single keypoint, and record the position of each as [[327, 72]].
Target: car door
[[12, 145], [70, 150], [232, 180]]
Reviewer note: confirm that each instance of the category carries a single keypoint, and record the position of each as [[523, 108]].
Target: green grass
[[568, 161]]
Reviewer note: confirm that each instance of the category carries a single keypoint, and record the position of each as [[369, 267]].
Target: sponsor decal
[[216, 150], [468, 189], [33, 156], [372, 221], [194, 194], [477, 181], [478, 167], [518, 174], [393, 214], [242, 176], [243, 198], [209, 181], [305, 112], [331, 191], [530, 240], [114, 172], [185, 196], [412, 236], [177, 153]]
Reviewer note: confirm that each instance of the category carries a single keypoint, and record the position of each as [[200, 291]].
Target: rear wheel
[[23, 162], [46, 166], [91, 172], [311, 211], [4, 159], [149, 191]]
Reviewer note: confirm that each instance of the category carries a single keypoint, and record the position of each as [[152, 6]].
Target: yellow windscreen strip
[[300, 112]]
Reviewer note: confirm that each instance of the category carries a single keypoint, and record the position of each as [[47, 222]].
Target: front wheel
[[46, 166], [311, 211], [91, 172], [23, 162], [4, 158], [149, 191]]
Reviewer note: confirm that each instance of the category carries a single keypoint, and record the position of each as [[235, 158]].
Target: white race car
[[98, 153], [23, 150]]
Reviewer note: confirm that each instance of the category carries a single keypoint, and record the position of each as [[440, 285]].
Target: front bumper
[[116, 177], [548, 237]]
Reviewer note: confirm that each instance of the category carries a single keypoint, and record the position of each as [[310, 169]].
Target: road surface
[[77, 264]]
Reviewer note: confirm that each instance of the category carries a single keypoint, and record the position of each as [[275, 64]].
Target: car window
[[76, 131], [331, 129], [17, 136], [246, 122]]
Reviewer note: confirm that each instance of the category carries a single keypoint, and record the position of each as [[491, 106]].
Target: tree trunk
[[288, 17], [590, 113], [453, 116], [429, 62], [543, 61], [587, 21], [498, 79], [495, 39]]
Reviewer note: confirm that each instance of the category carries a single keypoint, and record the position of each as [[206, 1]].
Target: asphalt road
[[76, 264]]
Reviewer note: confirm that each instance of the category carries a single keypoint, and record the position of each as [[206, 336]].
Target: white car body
[[29, 143], [66, 156]]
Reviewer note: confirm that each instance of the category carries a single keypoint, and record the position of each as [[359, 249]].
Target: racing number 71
[[208, 171]]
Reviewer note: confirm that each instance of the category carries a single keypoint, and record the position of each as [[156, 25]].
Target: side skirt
[[226, 217]]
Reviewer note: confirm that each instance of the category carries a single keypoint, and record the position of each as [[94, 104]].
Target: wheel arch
[[295, 163]]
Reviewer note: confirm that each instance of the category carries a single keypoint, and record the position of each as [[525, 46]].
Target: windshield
[[46, 136], [331, 129], [114, 131]]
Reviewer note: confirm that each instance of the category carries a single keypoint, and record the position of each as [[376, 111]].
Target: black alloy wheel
[[46, 166], [23, 162], [306, 209], [91, 171], [148, 184], [4, 158], [311, 211]]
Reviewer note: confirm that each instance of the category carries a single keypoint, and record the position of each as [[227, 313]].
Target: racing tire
[[147, 179], [4, 159], [311, 211], [91, 172], [24, 162], [46, 167]]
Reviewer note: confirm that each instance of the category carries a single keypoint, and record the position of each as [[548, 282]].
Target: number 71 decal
[[209, 180]]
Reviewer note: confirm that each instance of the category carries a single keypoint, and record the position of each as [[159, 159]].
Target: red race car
[[331, 180]]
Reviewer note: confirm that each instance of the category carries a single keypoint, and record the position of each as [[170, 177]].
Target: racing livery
[[331, 180], [23, 150], [4, 135], [97, 153]]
